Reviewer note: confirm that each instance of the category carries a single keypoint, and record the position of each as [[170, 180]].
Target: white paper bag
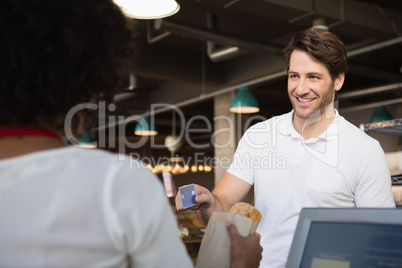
[[215, 245]]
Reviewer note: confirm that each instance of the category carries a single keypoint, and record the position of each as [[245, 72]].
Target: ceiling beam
[[180, 66], [355, 12], [374, 73], [212, 35]]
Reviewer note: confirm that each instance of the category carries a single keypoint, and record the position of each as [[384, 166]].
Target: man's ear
[[339, 81]]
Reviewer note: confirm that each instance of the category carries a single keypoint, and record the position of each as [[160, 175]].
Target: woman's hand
[[245, 252]]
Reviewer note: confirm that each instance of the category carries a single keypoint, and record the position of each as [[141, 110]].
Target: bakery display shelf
[[392, 127], [396, 179]]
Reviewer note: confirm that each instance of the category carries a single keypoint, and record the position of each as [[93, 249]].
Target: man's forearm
[[204, 214]]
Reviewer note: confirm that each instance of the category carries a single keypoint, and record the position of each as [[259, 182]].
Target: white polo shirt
[[73, 207], [343, 167]]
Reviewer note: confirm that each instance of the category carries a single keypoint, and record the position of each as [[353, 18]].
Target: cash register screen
[[347, 238]]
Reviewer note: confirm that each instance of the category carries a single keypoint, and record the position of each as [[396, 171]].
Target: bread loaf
[[246, 210]]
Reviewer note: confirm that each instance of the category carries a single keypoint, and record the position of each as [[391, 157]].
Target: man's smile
[[305, 100]]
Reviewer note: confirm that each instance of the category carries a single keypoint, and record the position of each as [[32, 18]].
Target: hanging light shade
[[380, 114], [87, 141], [175, 157], [173, 143], [144, 127], [244, 102], [148, 9]]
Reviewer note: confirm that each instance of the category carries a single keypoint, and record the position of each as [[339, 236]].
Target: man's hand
[[203, 197], [245, 252]]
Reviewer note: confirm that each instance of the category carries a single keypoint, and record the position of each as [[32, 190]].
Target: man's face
[[310, 86]]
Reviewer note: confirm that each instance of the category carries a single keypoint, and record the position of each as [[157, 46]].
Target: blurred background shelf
[[397, 180], [389, 127]]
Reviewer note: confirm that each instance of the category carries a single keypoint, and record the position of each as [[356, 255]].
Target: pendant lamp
[[175, 157], [144, 127], [173, 144], [244, 102], [381, 114], [148, 9], [87, 142]]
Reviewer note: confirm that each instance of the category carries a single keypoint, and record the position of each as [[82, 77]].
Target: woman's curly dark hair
[[56, 54]]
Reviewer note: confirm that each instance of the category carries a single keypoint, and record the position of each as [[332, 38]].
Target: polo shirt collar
[[332, 132]]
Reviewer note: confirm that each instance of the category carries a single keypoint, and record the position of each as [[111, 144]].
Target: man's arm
[[229, 190], [374, 186]]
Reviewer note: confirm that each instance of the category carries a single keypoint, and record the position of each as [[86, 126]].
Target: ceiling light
[[87, 141], [179, 168], [244, 102], [194, 168], [173, 143], [207, 168], [320, 23], [381, 114], [175, 157], [148, 9], [144, 127]]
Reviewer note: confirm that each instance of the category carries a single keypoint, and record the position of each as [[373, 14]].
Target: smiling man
[[313, 78], [327, 161]]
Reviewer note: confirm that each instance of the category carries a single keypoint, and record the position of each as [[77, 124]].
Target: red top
[[7, 131]]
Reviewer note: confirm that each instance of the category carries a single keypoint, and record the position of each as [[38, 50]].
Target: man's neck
[[315, 125]]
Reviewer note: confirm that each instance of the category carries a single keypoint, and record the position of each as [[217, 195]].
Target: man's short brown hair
[[323, 45]]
